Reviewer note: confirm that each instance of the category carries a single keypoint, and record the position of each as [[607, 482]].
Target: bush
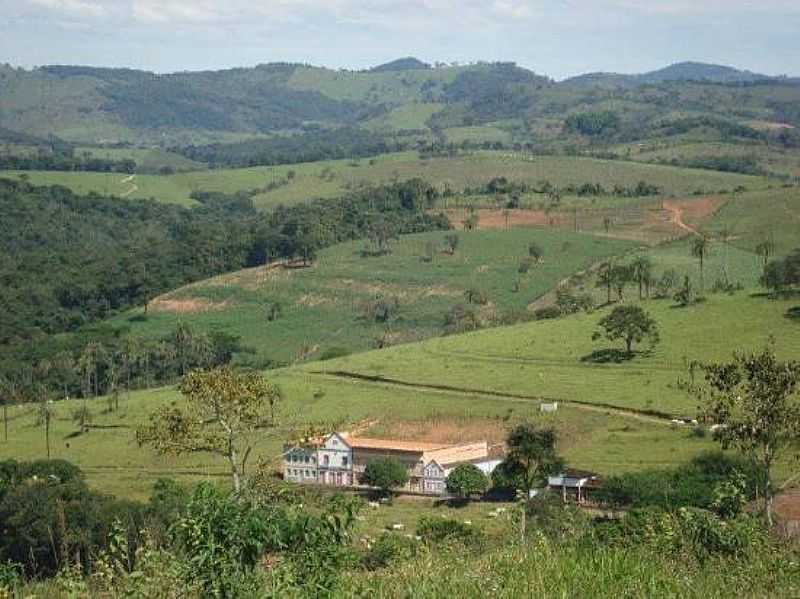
[[547, 513], [334, 352], [547, 312], [388, 548], [446, 530], [47, 523], [10, 577], [691, 485]]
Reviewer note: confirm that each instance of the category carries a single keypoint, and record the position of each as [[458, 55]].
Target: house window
[[307, 460], [326, 460], [344, 461]]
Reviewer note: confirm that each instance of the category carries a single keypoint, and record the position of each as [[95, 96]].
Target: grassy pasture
[[115, 464], [548, 358], [323, 306], [333, 178], [751, 218], [773, 160], [147, 159]]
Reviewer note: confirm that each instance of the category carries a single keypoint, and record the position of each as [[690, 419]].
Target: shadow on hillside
[[607, 356], [782, 295], [793, 313]]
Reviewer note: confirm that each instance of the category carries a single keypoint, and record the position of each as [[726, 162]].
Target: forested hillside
[[68, 261]]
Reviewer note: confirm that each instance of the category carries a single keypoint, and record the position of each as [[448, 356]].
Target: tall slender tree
[[642, 270], [701, 245], [765, 250]]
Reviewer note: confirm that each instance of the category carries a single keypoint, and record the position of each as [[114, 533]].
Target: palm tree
[[642, 271], [700, 248], [766, 249], [605, 278]]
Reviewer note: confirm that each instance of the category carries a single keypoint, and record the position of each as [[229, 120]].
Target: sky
[[558, 38]]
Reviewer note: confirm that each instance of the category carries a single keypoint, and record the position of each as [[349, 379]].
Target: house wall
[[335, 462], [300, 464]]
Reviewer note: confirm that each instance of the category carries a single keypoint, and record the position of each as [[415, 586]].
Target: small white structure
[[548, 408], [574, 484]]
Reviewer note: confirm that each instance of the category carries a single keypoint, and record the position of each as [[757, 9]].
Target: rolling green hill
[[332, 178], [332, 306]]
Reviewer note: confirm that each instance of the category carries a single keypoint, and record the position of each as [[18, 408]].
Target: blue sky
[[558, 38]]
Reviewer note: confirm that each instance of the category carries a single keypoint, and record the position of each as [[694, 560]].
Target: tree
[[685, 295], [621, 275], [474, 295], [701, 245], [629, 323], [605, 278], [765, 249], [535, 251], [642, 271], [7, 393], [531, 456], [223, 414], [451, 243], [754, 398], [666, 283], [385, 474], [466, 480]]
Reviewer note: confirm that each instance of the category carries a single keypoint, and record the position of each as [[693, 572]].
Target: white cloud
[[77, 8]]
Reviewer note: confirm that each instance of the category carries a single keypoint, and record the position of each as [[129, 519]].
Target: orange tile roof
[[391, 444]]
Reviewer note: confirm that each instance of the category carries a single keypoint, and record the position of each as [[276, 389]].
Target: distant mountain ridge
[[404, 100], [679, 71]]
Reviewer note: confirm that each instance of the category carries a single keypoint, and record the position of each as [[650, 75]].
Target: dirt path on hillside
[[134, 188], [653, 418], [676, 217]]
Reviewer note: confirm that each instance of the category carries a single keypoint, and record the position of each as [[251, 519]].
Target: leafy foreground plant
[[554, 568]]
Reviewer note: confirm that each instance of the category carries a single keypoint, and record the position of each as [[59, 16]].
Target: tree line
[[65, 162]]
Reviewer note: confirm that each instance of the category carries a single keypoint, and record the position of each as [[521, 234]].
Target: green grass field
[[333, 178], [547, 359], [752, 218], [323, 306], [114, 463], [147, 159]]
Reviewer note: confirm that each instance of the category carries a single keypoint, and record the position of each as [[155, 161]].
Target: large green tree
[[754, 398], [223, 413], [466, 480], [631, 324], [385, 474], [531, 457]]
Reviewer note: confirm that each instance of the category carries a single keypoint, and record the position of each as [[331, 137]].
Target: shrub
[[547, 312], [690, 485], [334, 352], [47, 522], [547, 513], [388, 548], [446, 530], [10, 577]]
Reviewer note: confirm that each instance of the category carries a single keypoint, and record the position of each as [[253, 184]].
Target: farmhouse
[[339, 460]]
